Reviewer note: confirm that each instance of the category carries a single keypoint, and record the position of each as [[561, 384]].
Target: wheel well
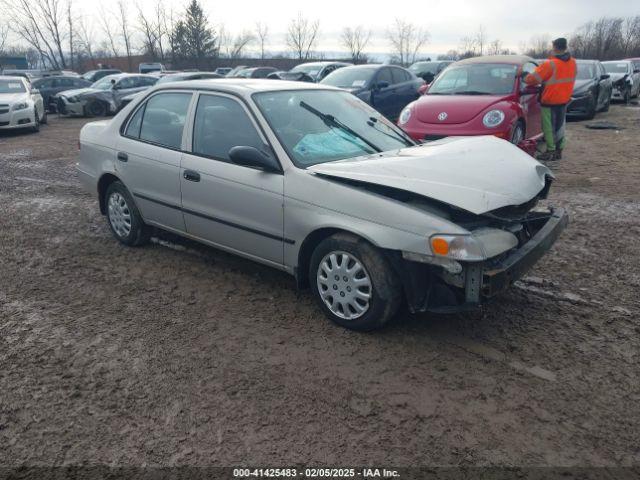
[[309, 244], [104, 182]]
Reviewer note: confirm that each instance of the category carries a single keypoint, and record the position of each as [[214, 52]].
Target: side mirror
[[381, 85], [604, 76], [423, 89], [531, 89], [637, 70], [254, 158]]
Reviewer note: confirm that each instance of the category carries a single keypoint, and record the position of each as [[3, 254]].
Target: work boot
[[558, 154], [547, 156]]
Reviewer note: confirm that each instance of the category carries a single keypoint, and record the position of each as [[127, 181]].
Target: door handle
[[123, 157], [191, 176]]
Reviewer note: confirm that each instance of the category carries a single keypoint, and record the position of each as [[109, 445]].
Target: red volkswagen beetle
[[479, 96]]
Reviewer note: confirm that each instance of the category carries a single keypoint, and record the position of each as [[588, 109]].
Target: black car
[[50, 86], [291, 76], [95, 75], [387, 88], [429, 70], [591, 92], [255, 72]]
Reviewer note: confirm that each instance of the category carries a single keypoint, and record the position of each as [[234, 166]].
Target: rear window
[[161, 120]]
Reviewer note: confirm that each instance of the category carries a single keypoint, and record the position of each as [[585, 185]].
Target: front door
[[530, 105], [233, 206]]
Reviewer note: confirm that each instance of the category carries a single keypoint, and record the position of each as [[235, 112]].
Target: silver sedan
[[310, 180]]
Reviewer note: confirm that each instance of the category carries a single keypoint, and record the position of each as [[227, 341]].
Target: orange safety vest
[[558, 77]]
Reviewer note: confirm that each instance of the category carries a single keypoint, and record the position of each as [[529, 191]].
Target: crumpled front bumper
[[65, 107], [428, 289]]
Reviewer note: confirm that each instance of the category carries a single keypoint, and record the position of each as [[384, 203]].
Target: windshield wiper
[[373, 122], [472, 92], [331, 121]]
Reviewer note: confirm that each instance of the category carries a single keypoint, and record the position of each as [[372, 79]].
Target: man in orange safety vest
[[557, 76]]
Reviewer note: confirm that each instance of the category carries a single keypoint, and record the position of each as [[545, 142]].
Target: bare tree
[[406, 40], [109, 32], [40, 24], [481, 39], [149, 31], [468, 47], [356, 40], [71, 33], [4, 34], [538, 46], [302, 36], [85, 39], [125, 31], [262, 33], [240, 43], [495, 47]]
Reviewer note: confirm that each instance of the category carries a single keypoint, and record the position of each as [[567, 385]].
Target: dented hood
[[477, 174]]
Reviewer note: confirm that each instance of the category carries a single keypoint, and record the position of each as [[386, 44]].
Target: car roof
[[13, 77], [618, 61], [322, 64], [244, 87], [511, 59]]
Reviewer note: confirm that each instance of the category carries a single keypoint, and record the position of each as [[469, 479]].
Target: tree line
[[53, 34]]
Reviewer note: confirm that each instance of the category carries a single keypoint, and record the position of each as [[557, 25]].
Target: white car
[[21, 105], [625, 78]]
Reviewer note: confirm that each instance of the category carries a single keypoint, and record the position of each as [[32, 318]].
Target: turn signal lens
[[457, 247], [439, 246]]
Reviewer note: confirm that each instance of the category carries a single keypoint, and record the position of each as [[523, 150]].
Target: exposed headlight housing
[[405, 115], [20, 106], [493, 118], [457, 247], [482, 244]]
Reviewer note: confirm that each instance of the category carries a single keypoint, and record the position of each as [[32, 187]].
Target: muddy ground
[[178, 354]]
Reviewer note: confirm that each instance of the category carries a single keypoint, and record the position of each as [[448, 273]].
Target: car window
[[65, 82], [133, 129], [399, 76], [146, 81], [475, 79], [44, 84], [127, 82], [384, 75], [221, 124], [163, 119]]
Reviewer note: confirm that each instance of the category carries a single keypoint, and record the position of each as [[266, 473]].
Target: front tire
[[44, 119], [354, 283], [36, 119], [517, 135], [123, 216], [97, 109]]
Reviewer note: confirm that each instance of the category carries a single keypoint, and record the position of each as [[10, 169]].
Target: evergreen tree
[[199, 39]]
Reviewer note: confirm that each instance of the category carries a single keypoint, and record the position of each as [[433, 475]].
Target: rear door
[[149, 155], [232, 206]]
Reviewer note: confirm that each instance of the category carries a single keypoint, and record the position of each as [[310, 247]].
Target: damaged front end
[[506, 242]]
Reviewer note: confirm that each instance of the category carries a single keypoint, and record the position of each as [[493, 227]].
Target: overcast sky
[[447, 21]]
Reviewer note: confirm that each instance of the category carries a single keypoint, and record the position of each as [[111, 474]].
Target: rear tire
[[44, 120], [354, 283], [123, 216]]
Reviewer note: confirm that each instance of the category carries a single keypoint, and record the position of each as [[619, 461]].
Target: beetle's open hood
[[477, 174]]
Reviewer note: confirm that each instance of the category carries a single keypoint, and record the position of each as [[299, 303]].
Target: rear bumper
[[428, 289]]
